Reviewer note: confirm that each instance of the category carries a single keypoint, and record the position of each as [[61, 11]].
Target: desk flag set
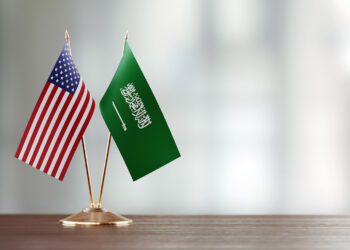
[[63, 112]]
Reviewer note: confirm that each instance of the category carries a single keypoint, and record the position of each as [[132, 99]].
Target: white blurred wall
[[256, 94]]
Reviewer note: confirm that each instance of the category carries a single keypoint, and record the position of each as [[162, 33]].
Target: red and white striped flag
[[59, 119]]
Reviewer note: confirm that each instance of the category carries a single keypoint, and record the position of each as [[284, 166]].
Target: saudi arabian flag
[[135, 120]]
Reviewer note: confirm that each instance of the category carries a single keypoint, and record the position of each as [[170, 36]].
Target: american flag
[[58, 121]]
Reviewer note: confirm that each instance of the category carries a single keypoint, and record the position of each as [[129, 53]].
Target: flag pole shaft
[[87, 172], [104, 170], [107, 150], [84, 148]]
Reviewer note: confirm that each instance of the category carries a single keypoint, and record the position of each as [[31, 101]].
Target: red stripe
[[41, 117], [47, 124], [37, 105], [64, 128], [70, 135], [70, 156], [53, 131]]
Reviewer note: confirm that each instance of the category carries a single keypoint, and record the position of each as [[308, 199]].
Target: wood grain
[[179, 232]]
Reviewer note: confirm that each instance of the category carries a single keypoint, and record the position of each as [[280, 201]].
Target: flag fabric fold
[[135, 120], [58, 121]]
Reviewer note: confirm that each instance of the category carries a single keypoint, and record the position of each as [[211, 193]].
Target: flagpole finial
[[126, 35], [125, 39], [68, 41], [67, 35]]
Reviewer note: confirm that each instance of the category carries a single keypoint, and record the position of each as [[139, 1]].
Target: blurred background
[[256, 94]]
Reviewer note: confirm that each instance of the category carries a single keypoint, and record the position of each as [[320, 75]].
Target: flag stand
[[92, 215]]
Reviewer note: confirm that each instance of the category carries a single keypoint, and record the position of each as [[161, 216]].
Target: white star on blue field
[[65, 75]]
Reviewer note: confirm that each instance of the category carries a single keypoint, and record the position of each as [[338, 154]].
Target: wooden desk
[[179, 232]]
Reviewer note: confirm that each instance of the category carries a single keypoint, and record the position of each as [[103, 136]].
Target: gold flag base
[[95, 216]]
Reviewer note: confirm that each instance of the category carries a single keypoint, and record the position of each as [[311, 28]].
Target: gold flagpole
[[83, 144], [108, 146], [87, 172], [104, 170]]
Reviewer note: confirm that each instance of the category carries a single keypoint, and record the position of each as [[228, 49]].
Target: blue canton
[[65, 75]]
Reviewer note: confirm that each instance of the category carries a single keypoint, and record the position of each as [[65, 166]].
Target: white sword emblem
[[116, 110]]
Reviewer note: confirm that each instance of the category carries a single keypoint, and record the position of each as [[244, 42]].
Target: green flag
[[135, 120]]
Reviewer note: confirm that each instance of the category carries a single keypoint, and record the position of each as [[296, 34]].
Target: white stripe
[[59, 128], [66, 133], [43, 123], [77, 131], [29, 135], [57, 112]]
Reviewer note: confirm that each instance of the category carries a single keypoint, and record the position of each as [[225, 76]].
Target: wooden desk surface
[[179, 232]]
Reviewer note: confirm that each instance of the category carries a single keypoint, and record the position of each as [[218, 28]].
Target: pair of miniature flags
[[65, 107]]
